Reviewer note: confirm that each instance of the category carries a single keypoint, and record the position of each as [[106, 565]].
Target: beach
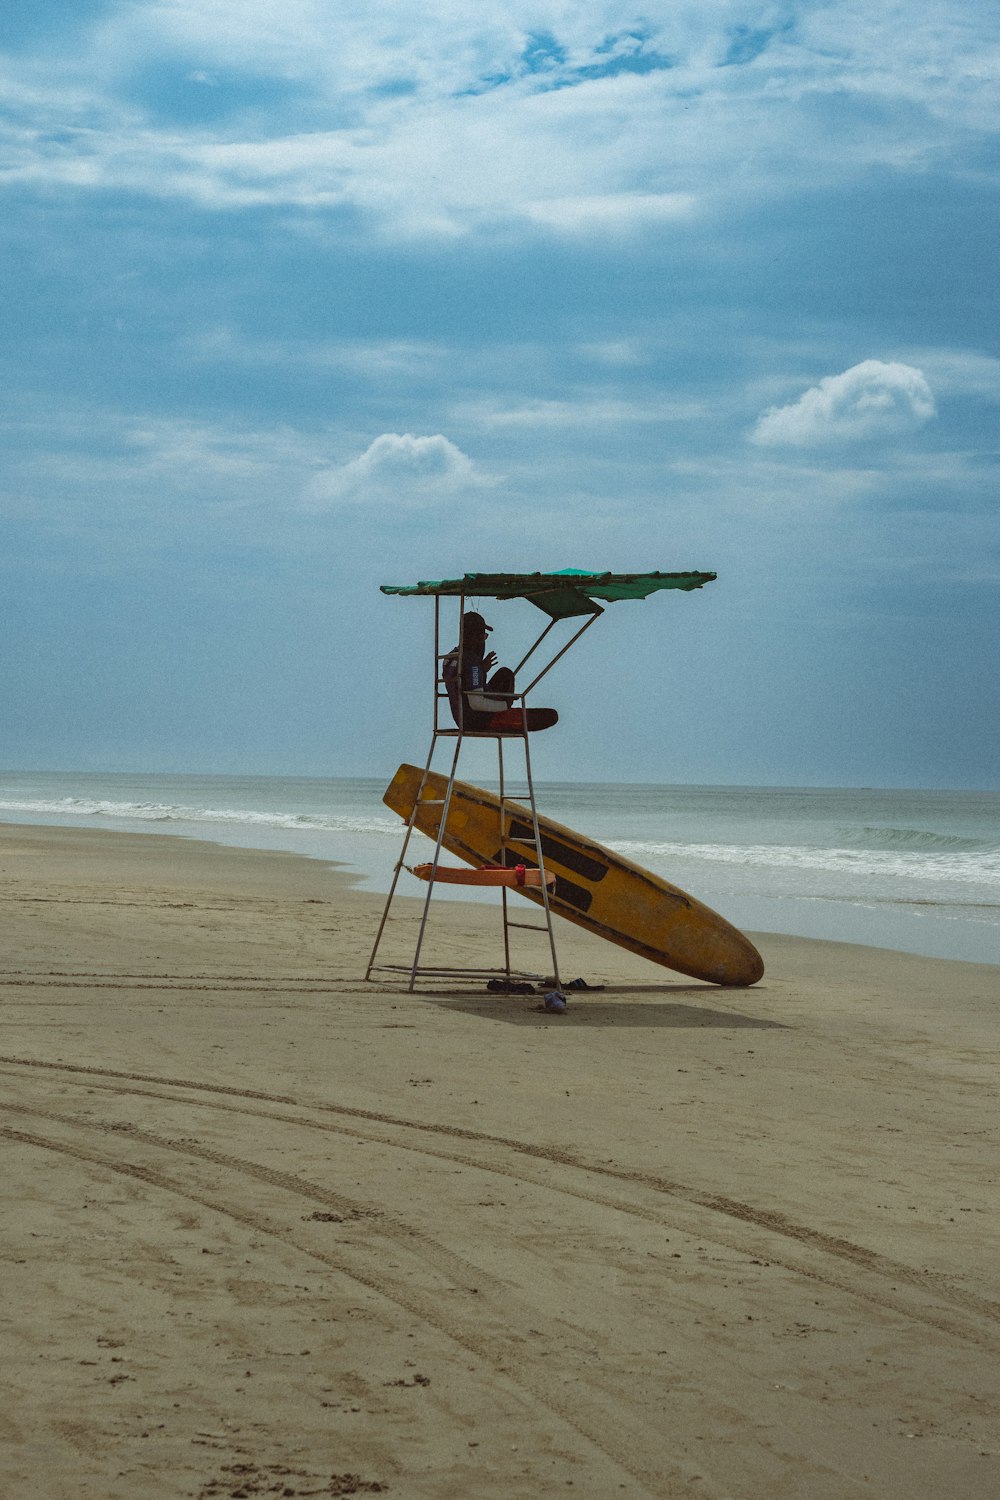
[[268, 1229]]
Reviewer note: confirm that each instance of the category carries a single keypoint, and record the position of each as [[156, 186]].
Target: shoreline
[[266, 1224], [371, 873]]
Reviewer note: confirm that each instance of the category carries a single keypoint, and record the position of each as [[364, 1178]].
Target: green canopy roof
[[568, 592]]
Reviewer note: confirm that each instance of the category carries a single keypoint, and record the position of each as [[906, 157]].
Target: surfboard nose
[[744, 968]]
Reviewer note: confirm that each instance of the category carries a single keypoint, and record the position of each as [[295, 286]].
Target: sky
[[301, 298]]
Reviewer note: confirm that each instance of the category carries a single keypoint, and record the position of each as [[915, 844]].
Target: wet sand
[[268, 1230]]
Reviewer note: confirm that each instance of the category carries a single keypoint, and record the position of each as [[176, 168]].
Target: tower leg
[[435, 862], [541, 861], [399, 862], [503, 861]]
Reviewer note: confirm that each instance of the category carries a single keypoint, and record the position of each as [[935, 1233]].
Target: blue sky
[[302, 298]]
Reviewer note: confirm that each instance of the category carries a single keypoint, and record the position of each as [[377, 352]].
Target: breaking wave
[[912, 838], [171, 812], [979, 866]]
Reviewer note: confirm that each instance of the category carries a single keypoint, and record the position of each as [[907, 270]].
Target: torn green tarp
[[572, 591]]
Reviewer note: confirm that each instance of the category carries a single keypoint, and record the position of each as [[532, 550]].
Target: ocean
[[912, 870]]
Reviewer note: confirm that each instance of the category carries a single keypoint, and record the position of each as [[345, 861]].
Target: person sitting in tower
[[480, 703]]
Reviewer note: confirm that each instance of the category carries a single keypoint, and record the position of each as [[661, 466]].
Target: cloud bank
[[441, 119], [870, 400]]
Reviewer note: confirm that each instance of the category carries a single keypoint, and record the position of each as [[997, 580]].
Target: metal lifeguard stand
[[569, 595]]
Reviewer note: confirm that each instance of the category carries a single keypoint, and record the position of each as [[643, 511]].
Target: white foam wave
[[979, 868], [168, 812]]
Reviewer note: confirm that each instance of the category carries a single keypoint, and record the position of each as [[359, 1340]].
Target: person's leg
[[495, 697], [501, 685]]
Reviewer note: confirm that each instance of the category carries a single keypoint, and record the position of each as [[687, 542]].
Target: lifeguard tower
[[571, 597]]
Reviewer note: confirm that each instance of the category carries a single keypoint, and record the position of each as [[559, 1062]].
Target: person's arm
[[487, 696]]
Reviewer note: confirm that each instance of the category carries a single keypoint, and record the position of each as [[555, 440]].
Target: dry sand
[[268, 1230]]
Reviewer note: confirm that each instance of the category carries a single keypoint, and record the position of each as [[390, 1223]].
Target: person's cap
[[472, 621]]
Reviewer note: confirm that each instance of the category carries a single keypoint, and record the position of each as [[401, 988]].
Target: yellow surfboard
[[595, 888]]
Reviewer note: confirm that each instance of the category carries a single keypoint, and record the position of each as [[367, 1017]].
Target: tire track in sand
[[775, 1225], [621, 1441]]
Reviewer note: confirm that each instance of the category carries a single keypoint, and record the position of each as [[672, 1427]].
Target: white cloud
[[621, 352], [367, 359], [587, 411], [870, 400], [610, 211], [398, 469]]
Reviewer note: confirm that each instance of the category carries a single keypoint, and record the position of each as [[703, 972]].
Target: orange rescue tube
[[512, 875]]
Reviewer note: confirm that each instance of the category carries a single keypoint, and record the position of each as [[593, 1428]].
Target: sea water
[[912, 870]]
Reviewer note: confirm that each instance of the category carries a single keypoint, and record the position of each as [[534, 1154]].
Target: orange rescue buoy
[[511, 875]]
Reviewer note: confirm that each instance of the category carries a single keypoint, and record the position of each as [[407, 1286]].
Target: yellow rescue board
[[595, 888]]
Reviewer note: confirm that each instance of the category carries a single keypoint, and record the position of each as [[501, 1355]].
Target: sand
[[268, 1230]]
